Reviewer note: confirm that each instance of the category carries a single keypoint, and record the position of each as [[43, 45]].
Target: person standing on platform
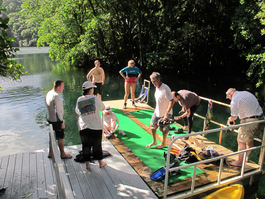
[[131, 74], [189, 101], [245, 106], [54, 105], [163, 109], [98, 78], [90, 125]]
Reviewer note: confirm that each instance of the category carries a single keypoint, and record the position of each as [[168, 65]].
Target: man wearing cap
[[245, 106], [110, 119], [90, 125], [163, 109], [54, 105]]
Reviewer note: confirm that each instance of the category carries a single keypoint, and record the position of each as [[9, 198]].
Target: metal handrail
[[217, 123], [219, 182], [64, 189]]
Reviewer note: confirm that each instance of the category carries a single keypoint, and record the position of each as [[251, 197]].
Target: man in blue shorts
[[163, 109]]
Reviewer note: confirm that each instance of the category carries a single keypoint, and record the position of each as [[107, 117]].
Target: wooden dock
[[31, 175], [210, 170]]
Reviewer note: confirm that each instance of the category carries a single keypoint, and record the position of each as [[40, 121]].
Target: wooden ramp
[[32, 175]]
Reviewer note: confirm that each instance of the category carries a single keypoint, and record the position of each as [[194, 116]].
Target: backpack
[[187, 154]]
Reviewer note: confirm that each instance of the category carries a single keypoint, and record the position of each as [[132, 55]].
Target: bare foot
[[87, 165], [236, 164], [149, 145], [160, 146], [102, 164]]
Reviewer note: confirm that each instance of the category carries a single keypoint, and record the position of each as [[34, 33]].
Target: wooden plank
[[33, 175], [25, 177], [95, 174], [130, 179], [9, 176], [77, 181], [40, 175], [4, 163], [49, 176], [16, 185], [108, 181], [90, 181]]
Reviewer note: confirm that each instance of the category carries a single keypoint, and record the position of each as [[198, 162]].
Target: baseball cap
[[87, 85]]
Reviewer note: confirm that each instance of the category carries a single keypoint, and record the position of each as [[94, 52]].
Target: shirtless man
[[98, 78]]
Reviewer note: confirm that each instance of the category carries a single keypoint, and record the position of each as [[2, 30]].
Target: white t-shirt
[[54, 105], [88, 108], [109, 118], [244, 104], [163, 96]]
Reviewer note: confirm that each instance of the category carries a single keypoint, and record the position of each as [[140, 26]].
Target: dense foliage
[[8, 67], [208, 39]]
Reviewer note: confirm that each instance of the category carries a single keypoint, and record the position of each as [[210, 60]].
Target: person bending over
[[189, 101], [110, 119]]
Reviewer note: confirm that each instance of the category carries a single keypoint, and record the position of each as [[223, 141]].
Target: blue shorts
[[154, 122]]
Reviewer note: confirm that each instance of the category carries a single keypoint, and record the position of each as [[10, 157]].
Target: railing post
[[261, 156]]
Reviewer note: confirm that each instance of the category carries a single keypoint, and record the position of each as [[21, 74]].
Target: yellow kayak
[[235, 191]]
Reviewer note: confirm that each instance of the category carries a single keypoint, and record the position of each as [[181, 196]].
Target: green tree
[[8, 68]]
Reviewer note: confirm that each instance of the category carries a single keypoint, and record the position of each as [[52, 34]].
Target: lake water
[[23, 125]]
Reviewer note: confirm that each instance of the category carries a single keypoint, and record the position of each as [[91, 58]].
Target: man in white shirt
[[54, 105], [245, 106], [163, 110]]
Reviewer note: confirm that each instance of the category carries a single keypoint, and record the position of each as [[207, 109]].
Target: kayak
[[235, 191]]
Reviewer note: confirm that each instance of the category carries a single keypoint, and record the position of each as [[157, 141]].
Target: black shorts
[[99, 89], [57, 127]]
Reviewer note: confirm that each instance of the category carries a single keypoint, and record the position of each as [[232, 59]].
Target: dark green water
[[23, 111]]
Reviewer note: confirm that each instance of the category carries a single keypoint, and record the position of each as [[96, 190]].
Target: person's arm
[[183, 115], [232, 119], [170, 106], [103, 76], [59, 110], [88, 76], [138, 77], [122, 74]]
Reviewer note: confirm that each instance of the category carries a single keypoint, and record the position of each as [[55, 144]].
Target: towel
[[209, 115]]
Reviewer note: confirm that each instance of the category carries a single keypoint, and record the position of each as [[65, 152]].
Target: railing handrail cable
[[174, 138], [64, 189]]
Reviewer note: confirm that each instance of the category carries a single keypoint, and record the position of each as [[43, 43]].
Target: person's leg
[[127, 91], [100, 90], [249, 145], [50, 147], [193, 109], [97, 147], [185, 120], [163, 143], [154, 138], [106, 129], [86, 146], [153, 127], [113, 125], [241, 146], [133, 87]]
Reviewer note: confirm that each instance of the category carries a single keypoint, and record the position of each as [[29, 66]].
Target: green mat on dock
[[137, 138]]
